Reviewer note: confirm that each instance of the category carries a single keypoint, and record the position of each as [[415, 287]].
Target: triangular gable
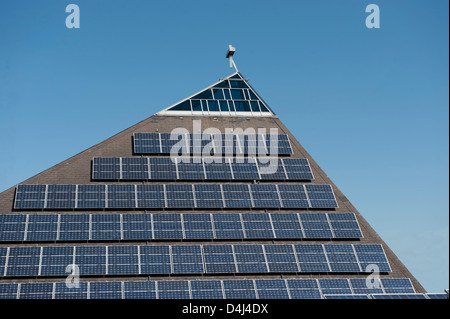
[[232, 96]]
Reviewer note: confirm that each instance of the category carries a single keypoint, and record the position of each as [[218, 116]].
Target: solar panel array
[[224, 144], [209, 289], [25, 261], [174, 196], [169, 226], [164, 168]]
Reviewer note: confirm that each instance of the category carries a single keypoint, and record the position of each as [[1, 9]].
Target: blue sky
[[370, 105]]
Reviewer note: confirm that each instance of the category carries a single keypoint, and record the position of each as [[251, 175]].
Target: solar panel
[[219, 259], [60, 196], [74, 227], [12, 227], [190, 168], [286, 225], [91, 260], [265, 196], [8, 291], [147, 143], [106, 168], [257, 225], [42, 227], [105, 290], [140, 290], [239, 289], [245, 169], [123, 260], [55, 260], [178, 145], [228, 226], [399, 296], [36, 290], [135, 168], [155, 260], [91, 196], [236, 196], [271, 289], [198, 226], [336, 288], [174, 289], [30, 196], [271, 169], [206, 289], [150, 196], [179, 196], [123, 196], [167, 226], [105, 227], [281, 258], [62, 291], [137, 226], [218, 170], [208, 195], [293, 196], [321, 196], [297, 169], [163, 168]]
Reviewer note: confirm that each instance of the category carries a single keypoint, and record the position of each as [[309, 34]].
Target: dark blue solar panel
[[179, 196], [244, 169], [106, 168], [55, 261], [218, 170], [174, 143], [265, 195], [163, 168], [91, 260], [135, 168], [91, 196], [208, 195], [105, 227], [155, 260], [271, 168], [8, 291], [146, 143], [206, 289], [42, 227], [239, 289], [12, 227], [105, 290], [62, 291], [236, 196], [293, 196], [190, 168], [137, 226], [297, 169], [167, 226], [228, 226], [257, 225], [74, 227], [36, 290], [61, 196], [123, 260], [30, 196], [121, 196], [23, 261], [150, 196]]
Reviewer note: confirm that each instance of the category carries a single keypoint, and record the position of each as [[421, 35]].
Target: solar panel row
[[228, 144], [174, 196], [210, 289], [164, 168], [83, 227], [53, 261]]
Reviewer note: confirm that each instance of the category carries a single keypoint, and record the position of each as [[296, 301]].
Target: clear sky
[[370, 105]]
